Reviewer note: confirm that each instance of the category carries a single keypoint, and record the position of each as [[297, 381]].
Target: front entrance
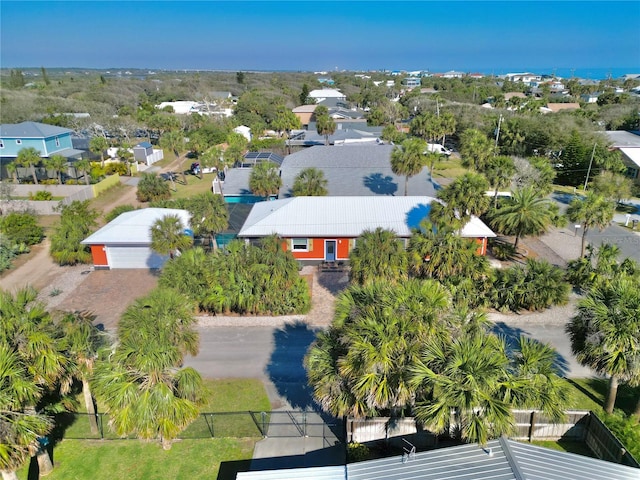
[[330, 250]]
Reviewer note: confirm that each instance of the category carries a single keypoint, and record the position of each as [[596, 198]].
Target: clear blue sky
[[493, 37]]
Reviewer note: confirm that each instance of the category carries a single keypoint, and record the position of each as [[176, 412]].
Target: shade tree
[[591, 211]]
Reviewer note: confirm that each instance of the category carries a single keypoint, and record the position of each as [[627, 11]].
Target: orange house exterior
[[320, 249]]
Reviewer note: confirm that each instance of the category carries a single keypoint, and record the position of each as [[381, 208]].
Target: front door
[[330, 250]]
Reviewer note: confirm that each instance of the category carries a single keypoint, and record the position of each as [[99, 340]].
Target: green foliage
[[409, 159], [244, 279], [40, 195], [379, 255], [535, 286], [357, 452], [115, 167], [591, 211], [77, 222], [168, 236], [21, 227], [264, 179], [152, 188], [117, 211], [502, 250], [625, 428], [310, 182]]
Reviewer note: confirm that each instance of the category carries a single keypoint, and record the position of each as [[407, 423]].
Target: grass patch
[[449, 167], [589, 394], [133, 459], [569, 446], [194, 185]]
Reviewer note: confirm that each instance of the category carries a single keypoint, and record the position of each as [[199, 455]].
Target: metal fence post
[[100, 420], [264, 421]]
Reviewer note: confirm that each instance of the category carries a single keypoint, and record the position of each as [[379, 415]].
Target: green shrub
[[626, 429], [40, 195], [152, 188], [116, 212], [77, 222], [357, 452], [49, 181], [534, 286], [115, 167], [21, 227], [503, 250]]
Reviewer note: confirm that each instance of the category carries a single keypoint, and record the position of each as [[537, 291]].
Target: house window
[[300, 244], [57, 142], [1, 144], [18, 142]]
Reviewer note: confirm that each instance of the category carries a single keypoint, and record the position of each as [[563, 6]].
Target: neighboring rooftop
[[31, 130], [354, 170], [622, 138]]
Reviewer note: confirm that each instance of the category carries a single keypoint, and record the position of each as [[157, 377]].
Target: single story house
[[501, 459], [354, 170], [319, 229], [323, 94], [125, 242], [305, 113], [629, 145]]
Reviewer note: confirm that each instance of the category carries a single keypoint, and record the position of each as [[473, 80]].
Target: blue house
[[47, 139]]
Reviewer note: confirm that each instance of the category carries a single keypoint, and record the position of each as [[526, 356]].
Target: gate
[[292, 423]]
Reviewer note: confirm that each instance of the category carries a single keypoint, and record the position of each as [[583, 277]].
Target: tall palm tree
[[29, 157], [378, 255], [467, 195], [57, 163], [209, 215], [98, 145], [409, 159], [499, 172], [325, 125], [12, 169], [475, 149], [84, 166], [264, 179], [81, 342], [140, 380], [168, 237], [605, 333], [592, 211], [310, 182], [527, 213]]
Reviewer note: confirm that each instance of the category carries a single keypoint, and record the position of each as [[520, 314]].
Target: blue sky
[[493, 37]]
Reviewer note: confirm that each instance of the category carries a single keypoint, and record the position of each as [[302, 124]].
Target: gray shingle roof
[[31, 130], [354, 170]]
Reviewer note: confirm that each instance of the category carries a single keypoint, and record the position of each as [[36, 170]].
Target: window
[[18, 142], [57, 142], [300, 244], [1, 144]]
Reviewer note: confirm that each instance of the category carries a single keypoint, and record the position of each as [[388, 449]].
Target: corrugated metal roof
[[500, 459], [311, 473], [632, 154], [343, 217], [31, 130], [622, 138], [133, 228]]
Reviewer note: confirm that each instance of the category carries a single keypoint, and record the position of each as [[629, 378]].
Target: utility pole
[[498, 131], [590, 163]]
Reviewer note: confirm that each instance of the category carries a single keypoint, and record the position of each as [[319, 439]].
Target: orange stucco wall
[[317, 249], [99, 254]]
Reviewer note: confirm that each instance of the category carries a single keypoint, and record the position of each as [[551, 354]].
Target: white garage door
[[134, 257]]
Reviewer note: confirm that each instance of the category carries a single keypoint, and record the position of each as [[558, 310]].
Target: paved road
[[273, 354]]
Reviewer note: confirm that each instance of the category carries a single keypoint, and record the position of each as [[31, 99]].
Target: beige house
[[305, 113]]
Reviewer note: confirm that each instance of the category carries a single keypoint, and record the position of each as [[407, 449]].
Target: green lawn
[[196, 456], [589, 394], [194, 185]]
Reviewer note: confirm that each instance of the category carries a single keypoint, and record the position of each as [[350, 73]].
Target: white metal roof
[[315, 473], [326, 93], [344, 217], [632, 154], [134, 228]]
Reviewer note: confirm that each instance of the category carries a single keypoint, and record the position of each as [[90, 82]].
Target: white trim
[[335, 252], [306, 245]]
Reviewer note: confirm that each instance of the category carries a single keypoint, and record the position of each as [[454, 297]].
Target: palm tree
[[174, 141], [57, 163], [325, 125], [265, 180], [475, 149], [209, 215], [408, 160], [98, 145], [140, 380], [81, 342], [499, 172], [84, 166], [378, 255], [34, 354], [29, 157], [168, 237], [605, 333], [466, 196], [592, 211], [310, 182], [12, 169], [527, 213]]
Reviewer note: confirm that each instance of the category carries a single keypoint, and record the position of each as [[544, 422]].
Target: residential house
[[47, 139], [348, 131], [526, 77], [412, 82], [628, 143], [317, 229], [125, 242], [557, 107], [321, 95], [354, 170], [305, 114], [244, 131], [453, 74], [590, 97], [501, 459], [182, 107]]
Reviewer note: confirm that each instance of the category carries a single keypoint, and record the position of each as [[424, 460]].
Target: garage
[[125, 242]]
